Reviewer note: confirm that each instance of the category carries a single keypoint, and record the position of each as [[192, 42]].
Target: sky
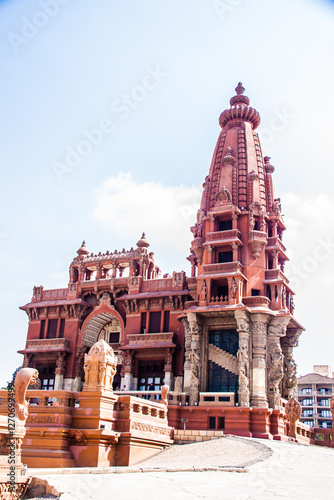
[[109, 118]]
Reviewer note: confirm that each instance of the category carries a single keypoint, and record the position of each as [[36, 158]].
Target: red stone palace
[[222, 339]]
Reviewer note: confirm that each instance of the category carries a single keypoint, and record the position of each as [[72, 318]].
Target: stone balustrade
[[216, 399]]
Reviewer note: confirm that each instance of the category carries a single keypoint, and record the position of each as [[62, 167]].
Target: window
[[325, 390], [212, 423], [256, 225], [307, 413], [52, 329], [270, 264], [255, 293], [62, 328], [225, 257], [324, 402], [222, 291], [225, 225], [222, 380], [325, 413], [309, 422], [270, 233], [227, 340], [307, 402], [151, 375], [113, 337], [143, 322], [42, 330], [166, 321], [155, 321], [307, 390], [221, 423]]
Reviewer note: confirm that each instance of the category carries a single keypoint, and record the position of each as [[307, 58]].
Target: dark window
[[113, 337], [166, 321], [42, 330], [225, 225], [225, 257], [270, 233], [225, 339], [269, 292], [270, 263], [62, 328], [52, 328], [222, 291], [222, 380], [151, 375], [255, 293], [47, 376], [256, 226], [155, 320], [212, 423], [221, 423], [143, 323]]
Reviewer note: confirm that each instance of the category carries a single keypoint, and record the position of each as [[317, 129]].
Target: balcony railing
[[216, 399], [275, 275], [227, 268], [257, 301], [160, 339], [275, 242], [233, 235], [41, 345]]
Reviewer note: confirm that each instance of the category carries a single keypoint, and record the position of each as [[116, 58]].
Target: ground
[[249, 470]]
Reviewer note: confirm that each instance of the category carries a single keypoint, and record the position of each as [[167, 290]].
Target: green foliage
[[11, 383]]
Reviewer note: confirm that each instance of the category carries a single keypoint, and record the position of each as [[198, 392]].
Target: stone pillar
[[290, 368], [259, 342], [243, 327], [192, 357], [60, 371], [275, 365], [169, 377], [127, 376]]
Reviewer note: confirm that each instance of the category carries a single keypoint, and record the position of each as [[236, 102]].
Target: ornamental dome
[[239, 110]]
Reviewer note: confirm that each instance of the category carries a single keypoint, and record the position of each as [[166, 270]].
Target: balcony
[[216, 399], [258, 301], [272, 275], [150, 340], [223, 237], [224, 269], [275, 243], [46, 345], [257, 240]]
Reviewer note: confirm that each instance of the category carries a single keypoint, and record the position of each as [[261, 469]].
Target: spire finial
[[239, 89]]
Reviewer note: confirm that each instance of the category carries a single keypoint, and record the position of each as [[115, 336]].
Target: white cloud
[[165, 213]]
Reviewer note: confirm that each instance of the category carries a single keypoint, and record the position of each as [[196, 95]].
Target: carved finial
[[240, 89], [143, 243], [83, 252], [267, 166]]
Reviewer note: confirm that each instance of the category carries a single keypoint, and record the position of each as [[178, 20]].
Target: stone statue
[[292, 413], [203, 292], [290, 375], [275, 373], [24, 377], [234, 288], [100, 367], [164, 394]]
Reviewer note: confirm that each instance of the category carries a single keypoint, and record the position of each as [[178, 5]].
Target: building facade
[[313, 392], [228, 328]]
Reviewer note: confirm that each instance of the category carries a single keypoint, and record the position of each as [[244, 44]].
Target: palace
[[223, 338]]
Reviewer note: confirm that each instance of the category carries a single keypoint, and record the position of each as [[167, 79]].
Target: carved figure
[[24, 377], [100, 366], [290, 375], [164, 394], [204, 291], [234, 288], [292, 413]]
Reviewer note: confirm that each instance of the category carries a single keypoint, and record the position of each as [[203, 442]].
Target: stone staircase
[[223, 359]]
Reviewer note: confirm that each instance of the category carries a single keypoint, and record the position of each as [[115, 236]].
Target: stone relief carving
[[290, 374], [292, 413], [100, 367], [275, 372], [192, 356]]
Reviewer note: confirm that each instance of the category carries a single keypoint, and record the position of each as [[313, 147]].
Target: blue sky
[[155, 76]]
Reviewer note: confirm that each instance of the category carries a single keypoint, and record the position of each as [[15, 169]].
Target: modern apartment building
[[313, 392]]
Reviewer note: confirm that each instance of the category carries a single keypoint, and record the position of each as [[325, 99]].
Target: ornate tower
[[240, 328]]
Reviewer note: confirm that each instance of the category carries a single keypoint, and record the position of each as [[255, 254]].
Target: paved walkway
[[281, 470]]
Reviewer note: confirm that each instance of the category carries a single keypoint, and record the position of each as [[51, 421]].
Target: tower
[[239, 329]]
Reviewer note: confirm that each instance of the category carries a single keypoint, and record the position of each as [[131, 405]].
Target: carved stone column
[[60, 371], [127, 371], [192, 357], [259, 346], [290, 368], [169, 379], [243, 327], [275, 365]]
